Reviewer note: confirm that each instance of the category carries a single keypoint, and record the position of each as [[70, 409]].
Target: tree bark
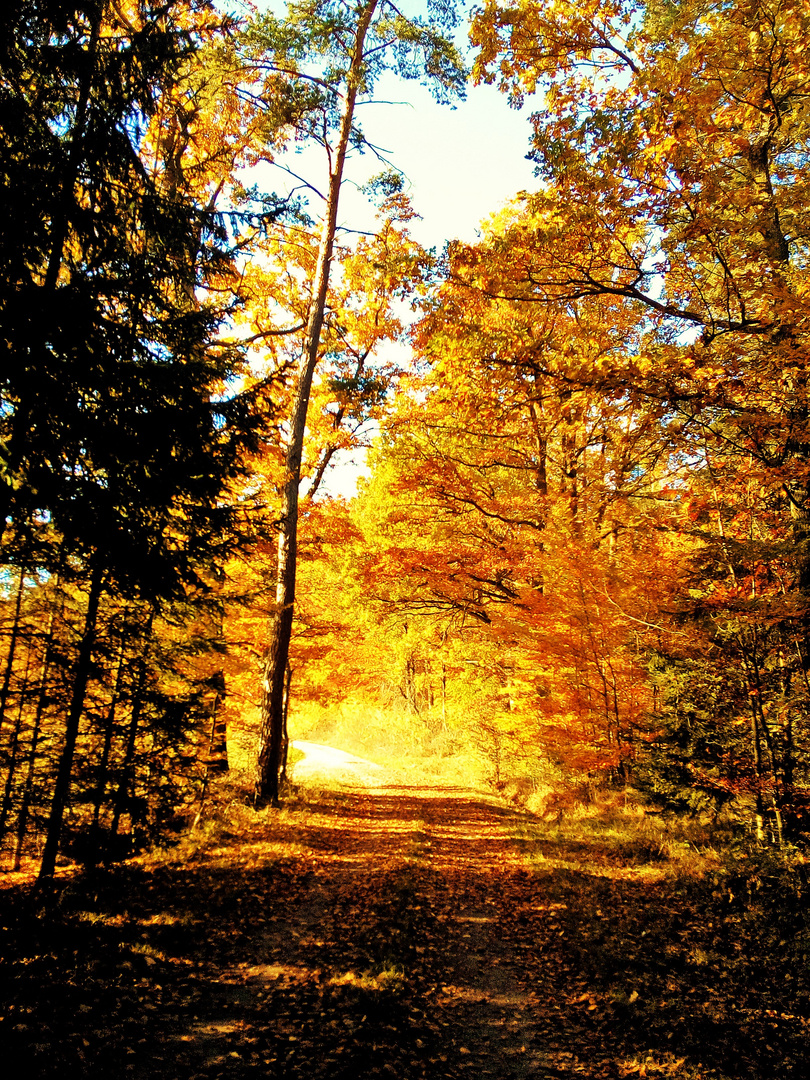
[[8, 793], [104, 761], [271, 747], [62, 787], [12, 648], [41, 698], [124, 796]]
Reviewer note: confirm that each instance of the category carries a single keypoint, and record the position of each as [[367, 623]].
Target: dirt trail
[[336, 766], [409, 946], [393, 932]]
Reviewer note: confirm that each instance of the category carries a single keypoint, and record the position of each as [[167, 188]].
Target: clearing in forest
[[399, 931]]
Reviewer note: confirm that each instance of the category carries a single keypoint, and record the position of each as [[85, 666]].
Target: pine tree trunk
[[28, 790], [271, 747], [31, 757], [12, 649], [104, 761], [217, 758], [62, 787], [8, 793], [123, 797]]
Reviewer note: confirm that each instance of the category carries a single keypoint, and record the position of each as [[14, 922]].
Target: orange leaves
[[672, 162], [498, 505]]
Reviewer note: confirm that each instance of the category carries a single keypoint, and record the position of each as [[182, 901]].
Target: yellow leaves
[[703, 95], [661, 150], [530, 45], [587, 999]]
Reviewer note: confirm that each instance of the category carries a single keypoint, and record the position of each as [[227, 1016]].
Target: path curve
[[336, 766]]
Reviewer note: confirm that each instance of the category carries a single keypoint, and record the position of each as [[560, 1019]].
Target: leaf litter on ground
[[409, 932]]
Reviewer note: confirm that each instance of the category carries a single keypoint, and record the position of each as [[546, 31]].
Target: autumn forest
[[576, 570]]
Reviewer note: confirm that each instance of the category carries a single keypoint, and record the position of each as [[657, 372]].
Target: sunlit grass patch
[[229, 828], [101, 918], [148, 952], [666, 1065], [389, 979], [168, 918], [613, 833]]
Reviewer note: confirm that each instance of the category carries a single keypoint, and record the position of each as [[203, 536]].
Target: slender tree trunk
[[285, 738], [444, 697], [12, 649], [216, 760], [217, 757], [123, 795], [275, 664], [757, 746], [28, 791], [104, 761], [8, 793], [81, 677]]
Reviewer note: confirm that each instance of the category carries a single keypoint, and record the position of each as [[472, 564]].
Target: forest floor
[[398, 931]]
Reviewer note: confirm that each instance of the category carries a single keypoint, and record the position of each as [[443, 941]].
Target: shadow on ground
[[399, 932]]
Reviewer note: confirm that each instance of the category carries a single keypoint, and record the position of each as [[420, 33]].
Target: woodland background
[[582, 553]]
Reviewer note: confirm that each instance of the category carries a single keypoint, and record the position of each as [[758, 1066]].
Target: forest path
[[380, 932], [321, 762], [408, 940]]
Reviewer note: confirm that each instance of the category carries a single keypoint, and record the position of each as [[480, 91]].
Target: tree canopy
[[584, 539]]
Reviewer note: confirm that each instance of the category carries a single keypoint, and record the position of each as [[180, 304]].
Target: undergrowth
[[719, 925]]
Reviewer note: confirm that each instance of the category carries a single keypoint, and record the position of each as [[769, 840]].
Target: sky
[[460, 164]]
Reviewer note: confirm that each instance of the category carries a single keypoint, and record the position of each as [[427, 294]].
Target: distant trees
[[602, 464], [520, 516]]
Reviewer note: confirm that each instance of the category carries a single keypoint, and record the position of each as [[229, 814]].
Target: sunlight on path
[[415, 908], [336, 766], [369, 930]]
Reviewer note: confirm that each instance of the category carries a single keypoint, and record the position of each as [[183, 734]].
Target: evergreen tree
[[119, 426]]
